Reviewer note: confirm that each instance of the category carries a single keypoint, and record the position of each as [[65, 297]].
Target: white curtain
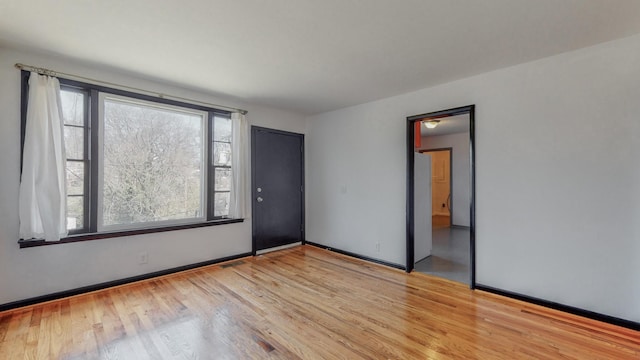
[[43, 196], [239, 161]]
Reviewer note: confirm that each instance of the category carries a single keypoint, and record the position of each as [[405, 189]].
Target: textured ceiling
[[312, 56]]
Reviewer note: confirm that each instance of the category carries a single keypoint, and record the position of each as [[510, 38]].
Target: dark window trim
[[115, 234], [86, 148], [90, 231], [88, 86], [24, 96]]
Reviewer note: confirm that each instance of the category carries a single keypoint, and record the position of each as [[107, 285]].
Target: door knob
[[259, 199]]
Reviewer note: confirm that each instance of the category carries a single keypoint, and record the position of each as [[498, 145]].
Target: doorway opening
[[440, 194]]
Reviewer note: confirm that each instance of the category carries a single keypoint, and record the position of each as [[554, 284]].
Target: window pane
[[223, 180], [75, 212], [221, 154], [221, 204], [72, 107], [75, 178], [221, 129], [152, 163], [74, 142]]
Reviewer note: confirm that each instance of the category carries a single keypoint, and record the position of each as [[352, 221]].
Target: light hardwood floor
[[303, 303]]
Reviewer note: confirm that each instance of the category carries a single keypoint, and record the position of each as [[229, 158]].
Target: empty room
[[314, 179]]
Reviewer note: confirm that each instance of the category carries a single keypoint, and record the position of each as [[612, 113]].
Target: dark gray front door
[[277, 159]]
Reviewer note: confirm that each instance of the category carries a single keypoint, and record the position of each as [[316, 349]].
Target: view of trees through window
[[222, 165], [133, 161], [152, 163], [73, 112]]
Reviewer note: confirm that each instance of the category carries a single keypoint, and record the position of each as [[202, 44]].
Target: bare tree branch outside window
[[152, 164]]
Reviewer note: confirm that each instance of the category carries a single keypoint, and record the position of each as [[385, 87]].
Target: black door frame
[[450, 150], [411, 120], [254, 193]]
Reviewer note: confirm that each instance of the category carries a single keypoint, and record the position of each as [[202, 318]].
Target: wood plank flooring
[[303, 303]]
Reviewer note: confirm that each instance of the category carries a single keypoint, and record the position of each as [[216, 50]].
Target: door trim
[[254, 129], [410, 241]]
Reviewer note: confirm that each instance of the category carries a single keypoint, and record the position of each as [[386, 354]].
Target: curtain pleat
[[43, 197]]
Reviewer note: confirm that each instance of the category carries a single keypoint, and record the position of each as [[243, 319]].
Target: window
[[222, 165], [74, 112], [138, 162], [152, 164]]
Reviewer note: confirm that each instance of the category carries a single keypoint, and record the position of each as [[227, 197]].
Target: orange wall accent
[[417, 135]]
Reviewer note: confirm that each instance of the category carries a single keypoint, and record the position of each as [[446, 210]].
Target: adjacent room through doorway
[[442, 212], [440, 186]]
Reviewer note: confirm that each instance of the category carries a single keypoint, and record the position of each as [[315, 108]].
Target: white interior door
[[422, 206]]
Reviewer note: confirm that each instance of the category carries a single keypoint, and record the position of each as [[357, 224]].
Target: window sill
[[113, 234]]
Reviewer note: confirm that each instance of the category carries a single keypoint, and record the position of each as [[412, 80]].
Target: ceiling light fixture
[[430, 124]]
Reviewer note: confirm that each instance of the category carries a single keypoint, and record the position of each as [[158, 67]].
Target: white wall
[[30, 272], [558, 178], [460, 167]]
